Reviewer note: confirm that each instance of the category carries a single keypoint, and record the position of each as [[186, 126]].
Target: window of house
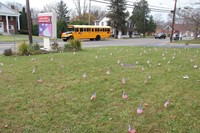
[[11, 27], [102, 23], [10, 18]]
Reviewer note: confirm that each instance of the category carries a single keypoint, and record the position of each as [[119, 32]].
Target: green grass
[[17, 37], [62, 102], [12, 38], [197, 41]]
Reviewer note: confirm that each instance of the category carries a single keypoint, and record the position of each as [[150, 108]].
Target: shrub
[[36, 46], [74, 44], [54, 45], [8, 52], [25, 32], [24, 48], [67, 47], [35, 30]]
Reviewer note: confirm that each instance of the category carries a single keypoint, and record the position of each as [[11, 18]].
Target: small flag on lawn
[[124, 95], [131, 130], [39, 80], [139, 110], [93, 97], [166, 104], [84, 75], [108, 71], [123, 81]]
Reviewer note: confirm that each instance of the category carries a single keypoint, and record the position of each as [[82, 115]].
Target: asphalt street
[[112, 42]]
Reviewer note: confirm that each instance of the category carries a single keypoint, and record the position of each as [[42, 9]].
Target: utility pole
[[144, 20], [29, 22], [173, 21], [89, 11]]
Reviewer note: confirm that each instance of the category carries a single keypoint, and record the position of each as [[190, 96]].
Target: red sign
[[44, 19]]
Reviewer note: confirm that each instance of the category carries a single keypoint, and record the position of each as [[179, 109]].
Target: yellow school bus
[[91, 32]]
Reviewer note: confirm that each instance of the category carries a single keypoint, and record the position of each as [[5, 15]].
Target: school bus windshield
[[70, 29]]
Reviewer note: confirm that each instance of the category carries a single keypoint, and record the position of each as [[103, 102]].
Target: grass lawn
[[188, 41], [62, 102], [12, 38]]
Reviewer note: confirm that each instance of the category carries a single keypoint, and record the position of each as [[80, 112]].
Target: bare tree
[[81, 10], [51, 7], [159, 20], [97, 12], [191, 17]]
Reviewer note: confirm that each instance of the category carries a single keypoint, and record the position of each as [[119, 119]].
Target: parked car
[[160, 36], [177, 37]]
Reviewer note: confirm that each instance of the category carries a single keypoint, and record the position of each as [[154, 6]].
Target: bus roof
[[88, 26]]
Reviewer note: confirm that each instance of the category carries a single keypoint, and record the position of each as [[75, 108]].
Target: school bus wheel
[[98, 38], [64, 40], [70, 38]]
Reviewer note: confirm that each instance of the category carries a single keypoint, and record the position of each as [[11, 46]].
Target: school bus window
[[81, 29], [88, 29], [92, 30], [76, 29], [100, 29], [70, 29], [85, 30]]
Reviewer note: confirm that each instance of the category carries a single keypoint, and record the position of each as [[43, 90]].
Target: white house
[[104, 22], [9, 19]]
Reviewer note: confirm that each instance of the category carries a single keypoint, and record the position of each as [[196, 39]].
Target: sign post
[[47, 28]]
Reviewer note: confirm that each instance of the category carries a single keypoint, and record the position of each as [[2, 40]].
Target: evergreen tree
[[61, 27], [23, 20], [140, 16], [61, 10], [118, 15], [151, 25]]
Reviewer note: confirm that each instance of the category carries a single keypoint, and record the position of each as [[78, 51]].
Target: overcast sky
[[164, 4]]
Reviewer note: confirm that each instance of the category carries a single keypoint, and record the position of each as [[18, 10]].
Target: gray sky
[[163, 4]]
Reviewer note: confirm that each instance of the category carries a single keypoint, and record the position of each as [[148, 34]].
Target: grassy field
[[197, 41], [62, 102], [12, 38], [17, 38]]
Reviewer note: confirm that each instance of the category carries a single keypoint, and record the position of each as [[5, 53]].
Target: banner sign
[[47, 25], [44, 19]]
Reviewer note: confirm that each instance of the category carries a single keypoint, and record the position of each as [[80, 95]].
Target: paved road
[[114, 42]]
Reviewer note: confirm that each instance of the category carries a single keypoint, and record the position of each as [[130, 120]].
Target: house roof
[[6, 11], [180, 27]]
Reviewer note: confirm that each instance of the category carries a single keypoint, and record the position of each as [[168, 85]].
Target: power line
[[152, 8]]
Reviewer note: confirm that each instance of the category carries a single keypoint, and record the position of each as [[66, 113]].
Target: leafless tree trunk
[[81, 10], [192, 17]]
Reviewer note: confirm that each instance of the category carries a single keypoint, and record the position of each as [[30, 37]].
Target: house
[[9, 19], [102, 22], [184, 29], [105, 21]]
